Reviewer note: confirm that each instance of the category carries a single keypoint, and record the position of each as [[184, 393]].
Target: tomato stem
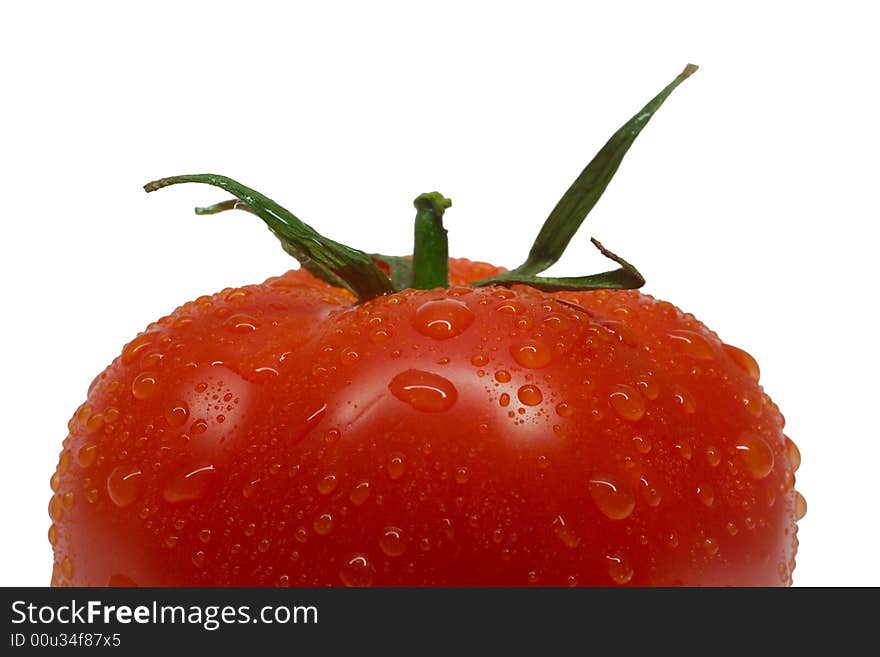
[[431, 246], [325, 259], [569, 213]]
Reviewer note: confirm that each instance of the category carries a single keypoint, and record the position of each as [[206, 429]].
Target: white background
[[750, 200]]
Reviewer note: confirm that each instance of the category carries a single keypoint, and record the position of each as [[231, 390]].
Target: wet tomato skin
[[282, 435]]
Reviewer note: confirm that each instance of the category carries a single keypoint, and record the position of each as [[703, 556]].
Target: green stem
[[625, 278], [325, 259], [587, 189], [431, 247]]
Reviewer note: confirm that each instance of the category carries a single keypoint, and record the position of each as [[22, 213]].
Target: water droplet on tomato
[[392, 542], [323, 524], [800, 506], [360, 493], [744, 361], [504, 399], [706, 494], [710, 545], [198, 559], [650, 493], [123, 484], [356, 571], [461, 475], [56, 509], [67, 568], [396, 465], [627, 402], [204, 535], [198, 427], [191, 484], [642, 444], [713, 456], [176, 413], [685, 400], [693, 344], [648, 387], [479, 360], [327, 484], [424, 391], [86, 454], [502, 376], [565, 533], [613, 498], [240, 323], [756, 454], [533, 354], [442, 318], [794, 454], [144, 385], [530, 395], [620, 568]]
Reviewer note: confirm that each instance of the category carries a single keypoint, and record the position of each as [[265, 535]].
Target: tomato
[[482, 431]]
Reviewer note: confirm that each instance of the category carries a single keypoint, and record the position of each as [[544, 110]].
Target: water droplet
[[263, 545], [392, 542], [533, 354], [672, 539], [502, 376], [756, 454], [424, 391], [504, 399], [462, 475], [620, 568], [565, 533], [191, 484], [144, 385], [650, 493], [706, 494], [648, 387], [627, 402], [327, 484], [732, 529], [357, 571], [241, 324], [396, 465], [92, 495], [66, 568], [685, 400], [713, 456], [198, 559], [442, 318], [800, 506], [123, 484], [323, 524], [613, 498], [171, 541], [530, 395], [86, 454], [94, 423], [56, 509], [198, 427], [136, 346], [794, 454], [204, 535], [684, 450], [710, 545], [53, 534], [176, 413], [479, 360], [360, 493], [693, 344], [744, 361], [642, 444]]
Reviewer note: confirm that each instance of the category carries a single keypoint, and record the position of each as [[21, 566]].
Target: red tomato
[[426, 431], [278, 434]]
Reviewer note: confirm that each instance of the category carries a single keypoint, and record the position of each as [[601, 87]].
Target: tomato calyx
[[360, 273]]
